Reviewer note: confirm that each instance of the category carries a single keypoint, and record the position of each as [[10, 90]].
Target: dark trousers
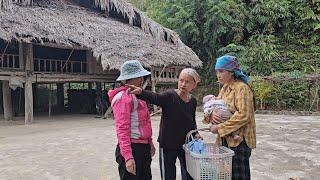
[[240, 161], [142, 156], [167, 158]]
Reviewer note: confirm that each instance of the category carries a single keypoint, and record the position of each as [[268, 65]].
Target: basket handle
[[189, 134]]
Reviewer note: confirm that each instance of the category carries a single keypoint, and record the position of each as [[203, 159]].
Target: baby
[[212, 104]]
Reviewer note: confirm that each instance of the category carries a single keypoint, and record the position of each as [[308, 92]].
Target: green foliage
[[262, 90], [290, 94], [261, 56], [269, 37]]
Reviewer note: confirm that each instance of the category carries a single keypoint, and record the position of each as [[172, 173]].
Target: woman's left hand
[[153, 150], [216, 119], [214, 129]]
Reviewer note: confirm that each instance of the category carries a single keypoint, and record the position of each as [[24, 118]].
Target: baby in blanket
[[212, 104]]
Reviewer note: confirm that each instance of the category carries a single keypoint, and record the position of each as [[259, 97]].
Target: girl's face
[[186, 83], [135, 81], [224, 76]]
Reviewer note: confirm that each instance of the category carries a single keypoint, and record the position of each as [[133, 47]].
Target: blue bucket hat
[[230, 63], [132, 69]]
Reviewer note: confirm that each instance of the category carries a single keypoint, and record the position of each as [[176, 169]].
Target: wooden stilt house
[[61, 41]]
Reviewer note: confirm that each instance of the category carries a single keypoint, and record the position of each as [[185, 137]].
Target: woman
[[238, 96], [133, 125], [178, 118]]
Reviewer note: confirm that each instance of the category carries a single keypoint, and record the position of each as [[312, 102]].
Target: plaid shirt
[[239, 98]]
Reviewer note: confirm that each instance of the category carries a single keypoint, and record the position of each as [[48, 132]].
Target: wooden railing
[[165, 75], [62, 66], [9, 61]]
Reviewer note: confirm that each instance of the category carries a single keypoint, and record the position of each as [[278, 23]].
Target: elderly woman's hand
[[132, 89]]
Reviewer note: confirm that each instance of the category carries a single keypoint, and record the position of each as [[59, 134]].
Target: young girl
[[178, 118], [133, 125]]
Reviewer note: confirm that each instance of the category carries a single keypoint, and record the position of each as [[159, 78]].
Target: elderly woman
[[178, 118], [238, 97]]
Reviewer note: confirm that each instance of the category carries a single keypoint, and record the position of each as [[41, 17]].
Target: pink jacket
[[132, 120]]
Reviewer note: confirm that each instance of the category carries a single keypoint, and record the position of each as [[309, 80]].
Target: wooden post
[[21, 64], [50, 101], [317, 95], [98, 86], [7, 102], [28, 57], [99, 99], [1, 97], [89, 85], [89, 58], [60, 96], [35, 93], [153, 88]]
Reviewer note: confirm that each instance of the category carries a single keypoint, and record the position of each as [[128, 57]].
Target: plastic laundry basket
[[214, 164]]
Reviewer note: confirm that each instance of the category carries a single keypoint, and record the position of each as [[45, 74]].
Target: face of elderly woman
[[224, 76], [186, 83]]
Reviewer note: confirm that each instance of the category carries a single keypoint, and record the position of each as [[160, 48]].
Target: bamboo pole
[[65, 64]]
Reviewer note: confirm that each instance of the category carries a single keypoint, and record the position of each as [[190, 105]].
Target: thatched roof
[[71, 24]]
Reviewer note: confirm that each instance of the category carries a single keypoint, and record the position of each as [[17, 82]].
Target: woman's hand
[[132, 89], [131, 166], [216, 118], [153, 150], [214, 129]]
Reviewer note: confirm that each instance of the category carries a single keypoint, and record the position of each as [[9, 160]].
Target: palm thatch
[[69, 24]]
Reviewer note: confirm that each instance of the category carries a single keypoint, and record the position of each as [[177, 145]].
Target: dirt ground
[[82, 147]]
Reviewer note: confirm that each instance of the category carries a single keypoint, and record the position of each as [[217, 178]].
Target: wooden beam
[[60, 46], [58, 78], [7, 101], [71, 78]]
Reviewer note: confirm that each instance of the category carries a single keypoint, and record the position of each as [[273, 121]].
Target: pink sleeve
[[122, 114]]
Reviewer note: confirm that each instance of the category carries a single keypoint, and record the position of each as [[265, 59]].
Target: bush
[[290, 95]]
